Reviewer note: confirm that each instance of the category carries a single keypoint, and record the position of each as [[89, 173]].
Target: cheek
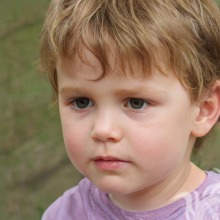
[[74, 142], [155, 147], [71, 138]]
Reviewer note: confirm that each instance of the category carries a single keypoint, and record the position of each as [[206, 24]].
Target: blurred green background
[[34, 167]]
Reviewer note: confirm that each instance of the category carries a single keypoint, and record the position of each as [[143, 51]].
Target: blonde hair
[[185, 32]]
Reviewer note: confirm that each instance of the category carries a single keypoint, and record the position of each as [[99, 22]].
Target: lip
[[109, 163], [107, 158]]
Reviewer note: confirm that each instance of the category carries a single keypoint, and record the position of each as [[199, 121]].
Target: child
[[138, 87]]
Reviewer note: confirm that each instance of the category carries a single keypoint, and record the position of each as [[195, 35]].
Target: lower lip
[[110, 165]]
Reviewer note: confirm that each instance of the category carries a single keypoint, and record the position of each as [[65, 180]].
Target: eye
[[82, 103], [137, 103]]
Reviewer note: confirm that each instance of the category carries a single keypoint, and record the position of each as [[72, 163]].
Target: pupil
[[82, 103], [136, 103]]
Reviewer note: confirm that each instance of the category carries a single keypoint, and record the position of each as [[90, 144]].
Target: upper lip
[[107, 158]]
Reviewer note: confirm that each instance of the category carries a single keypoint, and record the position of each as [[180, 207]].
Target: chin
[[111, 185]]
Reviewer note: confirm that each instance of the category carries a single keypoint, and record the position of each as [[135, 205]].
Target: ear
[[209, 112]]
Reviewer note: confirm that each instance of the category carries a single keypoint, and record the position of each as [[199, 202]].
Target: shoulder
[[213, 176], [70, 204], [211, 194], [207, 204], [212, 184]]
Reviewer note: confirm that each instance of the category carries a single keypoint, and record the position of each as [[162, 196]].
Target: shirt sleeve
[[51, 212]]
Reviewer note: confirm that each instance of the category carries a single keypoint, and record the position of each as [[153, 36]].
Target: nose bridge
[[105, 127]]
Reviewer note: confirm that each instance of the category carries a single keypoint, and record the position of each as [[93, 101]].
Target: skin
[[155, 140]]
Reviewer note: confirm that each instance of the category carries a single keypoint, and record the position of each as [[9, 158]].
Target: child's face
[[124, 134]]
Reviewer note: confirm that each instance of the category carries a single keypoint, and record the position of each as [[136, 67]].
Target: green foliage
[[218, 2], [208, 156], [32, 151]]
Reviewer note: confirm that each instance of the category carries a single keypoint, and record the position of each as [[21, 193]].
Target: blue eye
[[137, 103], [82, 103]]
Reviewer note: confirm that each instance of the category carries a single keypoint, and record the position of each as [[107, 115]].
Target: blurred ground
[[34, 168]]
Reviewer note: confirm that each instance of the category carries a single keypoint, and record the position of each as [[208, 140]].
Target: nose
[[106, 128]]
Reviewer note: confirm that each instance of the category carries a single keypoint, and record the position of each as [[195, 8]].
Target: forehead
[[78, 74], [79, 80], [87, 64]]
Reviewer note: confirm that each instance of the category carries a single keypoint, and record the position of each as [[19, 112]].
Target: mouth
[[109, 163], [107, 158]]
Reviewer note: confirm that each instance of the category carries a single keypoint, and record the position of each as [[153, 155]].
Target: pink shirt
[[87, 202]]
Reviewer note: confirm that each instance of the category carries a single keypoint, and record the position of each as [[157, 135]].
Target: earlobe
[[208, 113]]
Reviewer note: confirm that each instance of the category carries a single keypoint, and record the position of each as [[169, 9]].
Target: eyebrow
[[137, 91], [119, 92], [66, 90]]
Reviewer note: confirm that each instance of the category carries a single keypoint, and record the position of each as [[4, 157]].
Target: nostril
[[95, 139], [105, 135]]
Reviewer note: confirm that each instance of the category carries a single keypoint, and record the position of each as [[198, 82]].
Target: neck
[[165, 192]]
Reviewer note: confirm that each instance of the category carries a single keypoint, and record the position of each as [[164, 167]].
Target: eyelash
[[72, 101]]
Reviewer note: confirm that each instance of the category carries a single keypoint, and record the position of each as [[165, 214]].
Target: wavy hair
[[185, 32]]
